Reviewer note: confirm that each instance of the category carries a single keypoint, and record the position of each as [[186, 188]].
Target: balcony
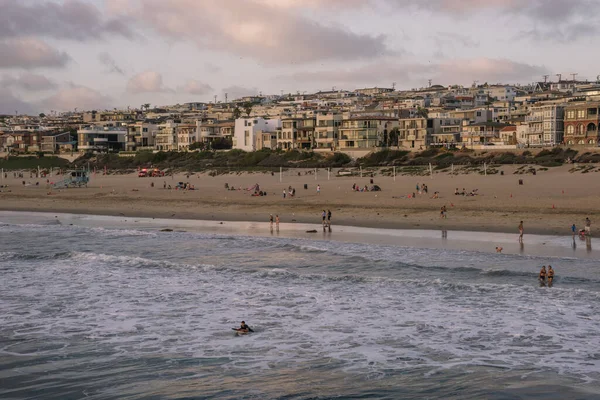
[[534, 118]]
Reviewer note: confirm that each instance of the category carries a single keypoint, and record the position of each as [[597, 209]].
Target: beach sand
[[548, 202]]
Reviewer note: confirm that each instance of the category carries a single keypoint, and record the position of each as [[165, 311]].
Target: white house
[[247, 130]]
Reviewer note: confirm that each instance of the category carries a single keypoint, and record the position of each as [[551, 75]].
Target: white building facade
[[247, 130]]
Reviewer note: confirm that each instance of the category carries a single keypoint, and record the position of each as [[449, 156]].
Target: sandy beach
[[548, 202]]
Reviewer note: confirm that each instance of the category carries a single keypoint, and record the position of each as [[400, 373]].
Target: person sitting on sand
[[244, 327], [542, 276], [550, 275], [498, 249], [456, 192]]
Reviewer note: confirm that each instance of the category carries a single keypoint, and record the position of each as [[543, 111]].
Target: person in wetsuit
[[543, 275], [550, 275], [245, 328]]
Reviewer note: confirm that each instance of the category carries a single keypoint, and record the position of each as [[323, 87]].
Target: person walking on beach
[[277, 222], [318, 189], [284, 193], [573, 230], [521, 232], [329, 217], [324, 215], [271, 221], [588, 226], [550, 275], [542, 276]]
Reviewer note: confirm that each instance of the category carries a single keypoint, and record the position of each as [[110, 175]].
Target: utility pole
[[574, 75], [429, 82], [394, 85], [215, 99], [226, 102], [559, 77], [546, 78]]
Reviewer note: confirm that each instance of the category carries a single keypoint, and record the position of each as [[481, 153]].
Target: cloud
[[28, 81], [257, 29], [76, 96], [196, 87], [9, 103], [147, 82], [212, 68], [70, 19], [235, 92], [30, 53], [110, 63], [462, 71]]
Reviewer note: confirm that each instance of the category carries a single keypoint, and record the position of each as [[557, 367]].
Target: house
[[508, 135], [109, 137], [481, 133], [581, 123], [327, 129], [52, 142], [365, 132], [247, 131]]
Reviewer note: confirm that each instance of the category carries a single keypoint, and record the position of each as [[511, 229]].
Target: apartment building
[[327, 129], [141, 136], [545, 125], [581, 123], [415, 133], [446, 131], [166, 137], [187, 134], [249, 133], [297, 133], [365, 132]]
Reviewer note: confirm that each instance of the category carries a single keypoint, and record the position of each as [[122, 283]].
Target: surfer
[[550, 275], [542, 277], [244, 328]]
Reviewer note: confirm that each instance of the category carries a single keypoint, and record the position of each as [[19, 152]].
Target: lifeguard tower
[[76, 178]]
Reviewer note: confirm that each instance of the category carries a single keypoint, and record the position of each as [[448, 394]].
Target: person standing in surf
[[277, 222], [271, 221], [521, 232], [550, 275], [542, 276]]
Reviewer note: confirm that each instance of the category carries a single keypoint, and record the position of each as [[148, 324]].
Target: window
[[571, 114], [570, 129], [592, 111], [246, 138], [145, 130], [581, 114]]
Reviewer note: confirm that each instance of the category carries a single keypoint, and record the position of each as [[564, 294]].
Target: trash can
[[371, 181], [305, 186], [501, 172], [520, 181]]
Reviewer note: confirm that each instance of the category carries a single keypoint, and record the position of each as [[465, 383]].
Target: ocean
[[123, 311]]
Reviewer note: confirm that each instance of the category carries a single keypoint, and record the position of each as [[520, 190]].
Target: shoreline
[[535, 245]]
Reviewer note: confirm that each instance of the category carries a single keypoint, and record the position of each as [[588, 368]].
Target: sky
[[59, 55]]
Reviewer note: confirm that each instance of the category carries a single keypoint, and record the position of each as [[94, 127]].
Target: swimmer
[[245, 328], [550, 275], [542, 276]]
